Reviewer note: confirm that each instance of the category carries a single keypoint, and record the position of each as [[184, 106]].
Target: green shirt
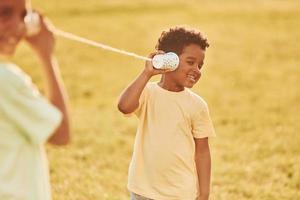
[[27, 120]]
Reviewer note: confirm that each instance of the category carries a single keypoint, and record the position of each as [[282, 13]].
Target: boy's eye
[[200, 66], [190, 62], [5, 13]]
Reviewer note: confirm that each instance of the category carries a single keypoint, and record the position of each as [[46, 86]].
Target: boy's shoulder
[[12, 75], [9, 70], [196, 98], [151, 85]]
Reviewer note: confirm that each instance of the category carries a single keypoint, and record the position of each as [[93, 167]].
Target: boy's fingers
[[160, 52], [151, 55], [162, 71]]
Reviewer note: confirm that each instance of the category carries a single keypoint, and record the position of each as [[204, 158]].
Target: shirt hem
[[150, 195]]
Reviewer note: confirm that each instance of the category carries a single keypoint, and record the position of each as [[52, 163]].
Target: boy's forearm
[[58, 97], [203, 164], [129, 99], [53, 82]]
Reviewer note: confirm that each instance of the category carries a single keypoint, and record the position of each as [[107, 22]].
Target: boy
[[171, 158], [27, 120]]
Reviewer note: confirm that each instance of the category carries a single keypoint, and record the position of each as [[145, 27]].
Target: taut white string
[[87, 41], [96, 44]]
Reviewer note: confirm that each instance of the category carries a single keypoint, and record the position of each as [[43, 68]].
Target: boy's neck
[[169, 85]]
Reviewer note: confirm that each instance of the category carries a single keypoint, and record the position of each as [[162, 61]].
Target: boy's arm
[[129, 100], [58, 97], [43, 44], [203, 164]]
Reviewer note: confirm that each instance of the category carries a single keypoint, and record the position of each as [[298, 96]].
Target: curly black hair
[[176, 38]]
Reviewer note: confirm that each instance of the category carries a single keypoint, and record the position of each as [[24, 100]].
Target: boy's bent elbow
[[125, 109], [59, 142], [61, 136]]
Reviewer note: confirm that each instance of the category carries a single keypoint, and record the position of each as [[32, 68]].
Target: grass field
[[250, 80]]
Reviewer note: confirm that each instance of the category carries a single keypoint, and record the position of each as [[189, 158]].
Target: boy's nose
[[196, 69]]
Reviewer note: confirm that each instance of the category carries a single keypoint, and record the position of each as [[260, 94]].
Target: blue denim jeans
[[138, 197]]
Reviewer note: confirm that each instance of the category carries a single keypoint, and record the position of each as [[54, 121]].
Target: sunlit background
[[250, 80]]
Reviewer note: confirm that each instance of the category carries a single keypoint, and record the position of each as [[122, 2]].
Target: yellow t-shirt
[[26, 122], [163, 163]]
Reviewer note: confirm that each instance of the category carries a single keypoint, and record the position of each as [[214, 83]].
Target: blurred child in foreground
[[27, 119]]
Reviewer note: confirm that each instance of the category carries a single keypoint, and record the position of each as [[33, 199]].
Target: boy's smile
[[188, 73]]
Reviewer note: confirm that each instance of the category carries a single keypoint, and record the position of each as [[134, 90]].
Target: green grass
[[251, 81]]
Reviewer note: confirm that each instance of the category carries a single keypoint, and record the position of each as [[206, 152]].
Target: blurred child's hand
[[43, 42], [150, 70]]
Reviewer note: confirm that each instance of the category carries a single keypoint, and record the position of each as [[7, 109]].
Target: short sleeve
[[26, 109], [202, 125], [142, 102]]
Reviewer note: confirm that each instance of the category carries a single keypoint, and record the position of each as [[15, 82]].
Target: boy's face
[[12, 27], [188, 72]]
